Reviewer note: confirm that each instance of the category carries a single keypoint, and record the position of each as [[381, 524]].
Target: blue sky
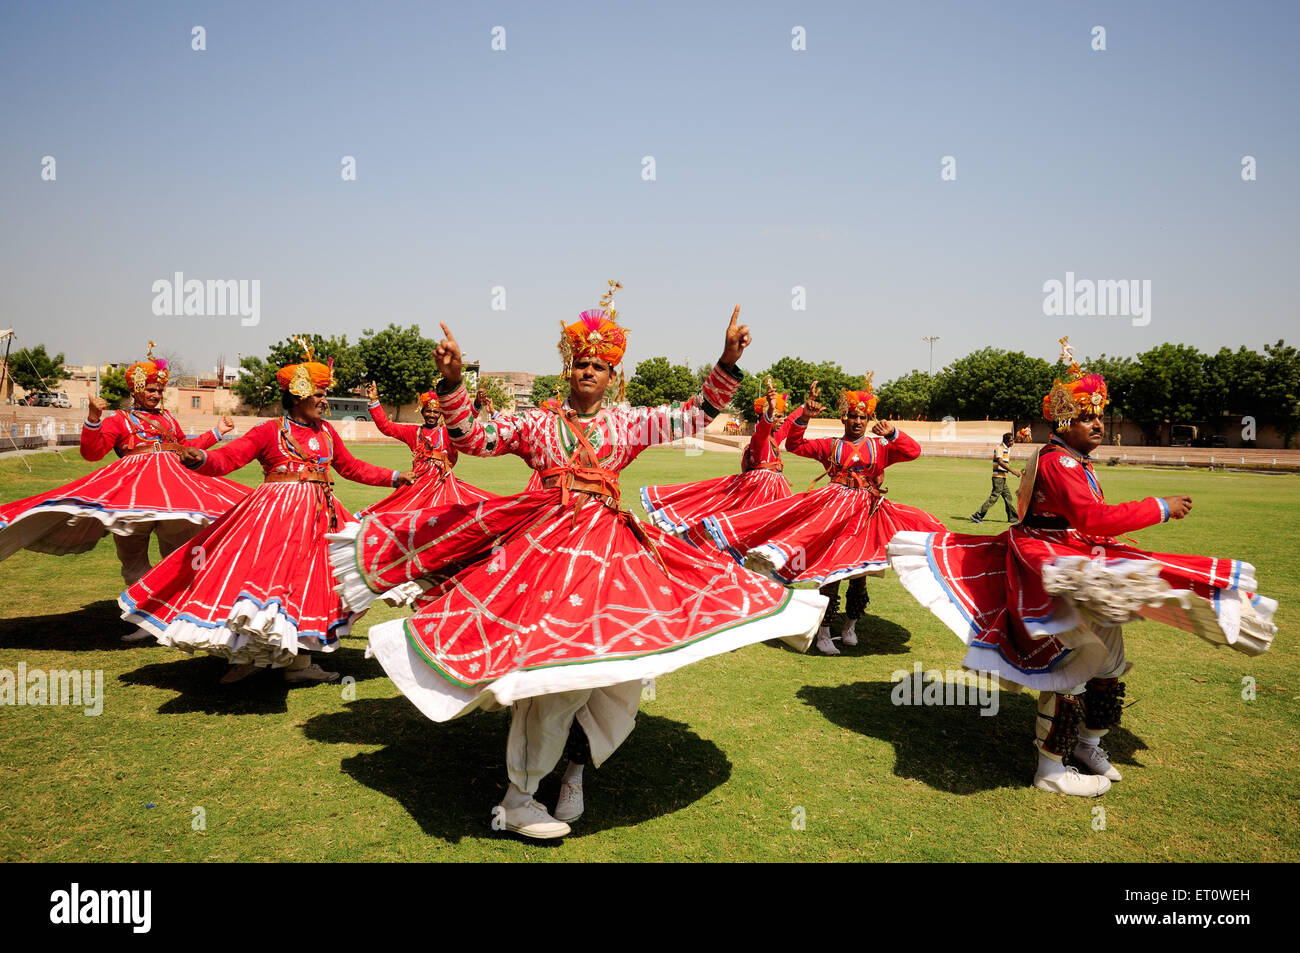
[[774, 168]]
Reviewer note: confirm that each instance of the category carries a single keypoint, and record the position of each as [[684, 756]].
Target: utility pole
[[930, 339], [8, 336]]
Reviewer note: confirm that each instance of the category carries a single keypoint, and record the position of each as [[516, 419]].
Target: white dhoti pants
[[133, 550], [1111, 636], [539, 728]]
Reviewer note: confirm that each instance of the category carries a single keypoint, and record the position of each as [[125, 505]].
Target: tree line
[[399, 360], [1169, 384]]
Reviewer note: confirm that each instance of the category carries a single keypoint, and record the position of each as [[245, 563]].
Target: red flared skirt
[[675, 508], [432, 489], [255, 586], [829, 534], [535, 596], [124, 497], [1027, 602]]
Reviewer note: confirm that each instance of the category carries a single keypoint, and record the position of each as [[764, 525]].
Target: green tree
[[906, 397], [399, 361], [1166, 388], [257, 386], [32, 369], [1234, 382], [799, 374], [113, 387], [657, 381], [547, 386], [992, 383], [1120, 373], [495, 388], [1282, 389]]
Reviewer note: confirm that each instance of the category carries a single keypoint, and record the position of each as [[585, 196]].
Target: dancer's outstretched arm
[[656, 425], [506, 433]]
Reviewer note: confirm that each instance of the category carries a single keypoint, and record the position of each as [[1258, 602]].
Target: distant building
[[519, 384]]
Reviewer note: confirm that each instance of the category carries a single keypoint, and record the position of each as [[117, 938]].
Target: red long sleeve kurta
[[127, 496], [764, 444], [131, 429], [265, 444], [1066, 487], [422, 440], [832, 533], [837, 455], [1027, 602]]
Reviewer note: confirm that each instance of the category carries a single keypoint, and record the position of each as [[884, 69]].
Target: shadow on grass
[[98, 626], [951, 748], [449, 776], [197, 682], [876, 636]]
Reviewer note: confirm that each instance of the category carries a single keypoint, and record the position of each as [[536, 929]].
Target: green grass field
[[723, 757]]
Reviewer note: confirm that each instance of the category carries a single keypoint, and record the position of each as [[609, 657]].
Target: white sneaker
[[138, 635], [824, 643], [312, 673], [531, 820], [849, 634], [569, 806], [1096, 760], [1070, 781]]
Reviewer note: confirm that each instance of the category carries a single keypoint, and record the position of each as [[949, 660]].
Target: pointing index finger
[[734, 315], [445, 331]]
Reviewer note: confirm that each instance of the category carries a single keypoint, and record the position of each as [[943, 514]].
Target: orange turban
[[862, 400], [593, 335], [149, 371], [1079, 392], [301, 380]]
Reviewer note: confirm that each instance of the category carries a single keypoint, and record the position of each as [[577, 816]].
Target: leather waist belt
[[852, 479], [1034, 521], [154, 448], [302, 476], [599, 483]]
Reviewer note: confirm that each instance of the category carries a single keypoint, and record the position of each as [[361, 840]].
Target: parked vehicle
[[45, 398], [1182, 435], [358, 408]]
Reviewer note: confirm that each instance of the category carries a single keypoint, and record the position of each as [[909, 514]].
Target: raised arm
[[202, 440], [758, 441], [783, 431], [407, 433], [666, 422], [648, 426], [98, 436], [797, 443], [795, 439], [506, 433]]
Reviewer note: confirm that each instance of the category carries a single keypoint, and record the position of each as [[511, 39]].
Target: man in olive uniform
[[1001, 467]]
